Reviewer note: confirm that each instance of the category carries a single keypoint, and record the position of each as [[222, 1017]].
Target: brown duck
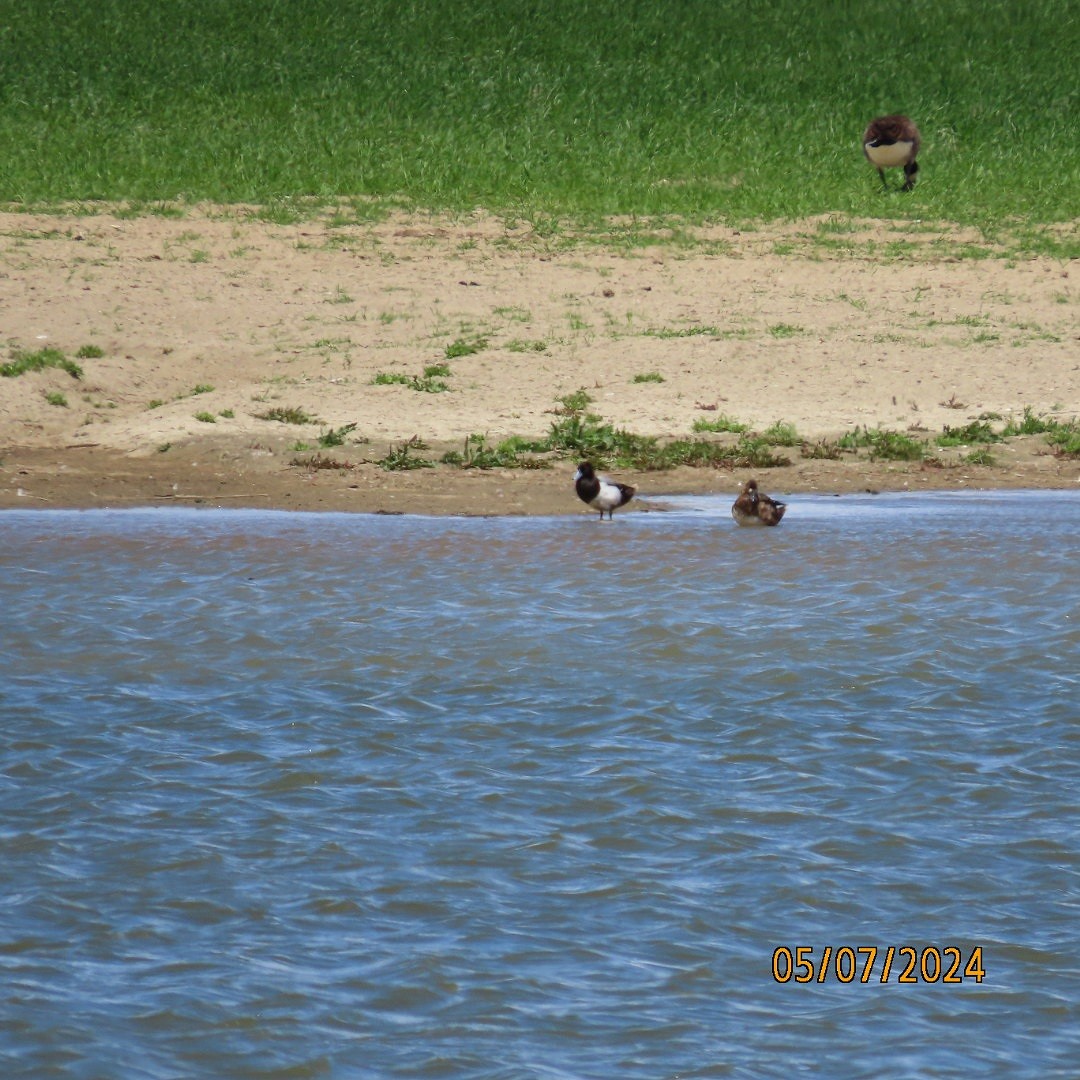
[[756, 508]]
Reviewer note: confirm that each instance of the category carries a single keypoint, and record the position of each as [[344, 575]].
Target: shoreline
[[212, 352], [96, 477]]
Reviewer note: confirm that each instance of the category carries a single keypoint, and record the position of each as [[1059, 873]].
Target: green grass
[[401, 459], [686, 331], [336, 436], [22, 362], [1030, 424], [649, 377], [978, 431], [577, 110], [721, 423], [884, 444], [319, 461], [464, 347], [781, 434], [512, 453], [521, 345], [429, 382], [286, 415]]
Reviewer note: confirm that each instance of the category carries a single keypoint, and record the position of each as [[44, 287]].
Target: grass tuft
[[430, 382], [401, 459], [335, 436], [978, 431], [320, 461], [22, 362], [465, 347], [286, 415], [884, 445], [721, 424]]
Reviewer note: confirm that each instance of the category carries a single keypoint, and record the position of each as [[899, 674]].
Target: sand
[[823, 325]]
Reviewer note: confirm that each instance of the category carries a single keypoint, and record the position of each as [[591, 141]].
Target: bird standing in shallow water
[[604, 494], [890, 142], [756, 508]]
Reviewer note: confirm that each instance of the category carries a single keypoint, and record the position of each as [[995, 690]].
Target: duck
[[600, 492], [756, 508], [892, 142]]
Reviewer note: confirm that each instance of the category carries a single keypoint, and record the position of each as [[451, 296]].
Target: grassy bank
[[725, 109]]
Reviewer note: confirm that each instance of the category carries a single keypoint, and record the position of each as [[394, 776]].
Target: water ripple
[[299, 795]]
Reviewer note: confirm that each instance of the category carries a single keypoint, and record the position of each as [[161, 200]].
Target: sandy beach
[[208, 322]]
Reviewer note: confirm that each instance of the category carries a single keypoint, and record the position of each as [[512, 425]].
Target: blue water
[[292, 795]]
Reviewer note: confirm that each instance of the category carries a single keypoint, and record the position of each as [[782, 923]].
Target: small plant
[[722, 423], [519, 345], [286, 416], [154, 403], [574, 404], [1065, 439], [648, 377], [164, 448], [430, 382], [54, 398], [884, 445], [400, 459], [201, 388], [978, 431], [506, 455], [588, 437], [784, 330], [335, 436], [318, 461], [206, 417], [685, 331], [90, 352], [1029, 424], [781, 434], [822, 449], [227, 414], [23, 362], [981, 456], [747, 453], [465, 347]]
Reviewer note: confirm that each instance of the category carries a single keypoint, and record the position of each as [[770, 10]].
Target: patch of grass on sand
[[401, 459], [884, 445], [429, 382], [286, 415], [22, 362]]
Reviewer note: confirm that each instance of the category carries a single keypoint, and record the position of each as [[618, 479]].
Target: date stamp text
[[869, 963]]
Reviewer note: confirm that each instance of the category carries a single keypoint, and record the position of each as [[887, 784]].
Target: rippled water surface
[[305, 795]]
